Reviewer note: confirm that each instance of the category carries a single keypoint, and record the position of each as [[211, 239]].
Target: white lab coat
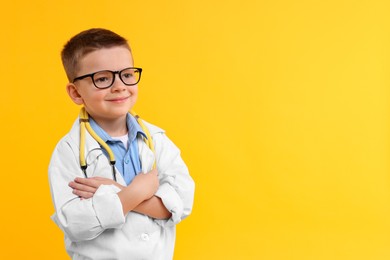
[[96, 228]]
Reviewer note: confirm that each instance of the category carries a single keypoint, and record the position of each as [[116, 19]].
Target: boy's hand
[[146, 185], [142, 188], [85, 188]]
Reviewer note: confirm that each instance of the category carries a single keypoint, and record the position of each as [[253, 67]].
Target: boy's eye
[[127, 75], [101, 79]]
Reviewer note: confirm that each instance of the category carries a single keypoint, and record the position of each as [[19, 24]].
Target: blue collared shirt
[[127, 161]]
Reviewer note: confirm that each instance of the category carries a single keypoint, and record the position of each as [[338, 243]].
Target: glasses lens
[[130, 76], [103, 79]]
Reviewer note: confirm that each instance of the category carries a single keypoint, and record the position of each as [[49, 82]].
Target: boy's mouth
[[118, 99]]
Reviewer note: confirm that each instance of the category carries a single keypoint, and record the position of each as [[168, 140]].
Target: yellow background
[[280, 108]]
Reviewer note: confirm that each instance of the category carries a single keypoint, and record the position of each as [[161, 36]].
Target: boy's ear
[[74, 94]]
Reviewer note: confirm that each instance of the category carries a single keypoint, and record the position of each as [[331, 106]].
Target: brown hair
[[85, 42]]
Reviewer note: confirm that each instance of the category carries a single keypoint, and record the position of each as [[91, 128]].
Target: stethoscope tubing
[[85, 126]]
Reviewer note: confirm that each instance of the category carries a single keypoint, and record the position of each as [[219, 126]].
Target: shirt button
[[127, 161], [144, 237]]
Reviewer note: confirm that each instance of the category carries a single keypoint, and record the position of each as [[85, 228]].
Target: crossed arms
[[138, 196]]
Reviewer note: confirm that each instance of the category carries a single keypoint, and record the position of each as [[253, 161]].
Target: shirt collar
[[132, 125]]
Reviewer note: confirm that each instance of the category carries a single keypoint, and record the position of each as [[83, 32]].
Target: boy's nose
[[118, 84]]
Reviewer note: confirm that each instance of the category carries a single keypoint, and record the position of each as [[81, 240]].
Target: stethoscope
[[84, 125]]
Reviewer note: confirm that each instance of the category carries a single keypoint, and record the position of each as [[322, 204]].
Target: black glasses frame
[[113, 78]]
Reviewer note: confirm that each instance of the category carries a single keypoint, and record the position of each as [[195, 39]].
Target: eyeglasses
[[105, 78]]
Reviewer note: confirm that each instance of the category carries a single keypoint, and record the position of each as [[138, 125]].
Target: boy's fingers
[[82, 187], [99, 178], [88, 181], [83, 194]]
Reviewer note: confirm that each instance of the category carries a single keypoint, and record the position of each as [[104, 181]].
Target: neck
[[114, 127]]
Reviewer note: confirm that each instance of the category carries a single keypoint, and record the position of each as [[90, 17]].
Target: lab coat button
[[144, 237]]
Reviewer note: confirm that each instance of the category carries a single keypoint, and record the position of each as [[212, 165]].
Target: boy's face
[[108, 104]]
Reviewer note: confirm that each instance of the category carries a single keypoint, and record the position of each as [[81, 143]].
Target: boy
[[133, 217]]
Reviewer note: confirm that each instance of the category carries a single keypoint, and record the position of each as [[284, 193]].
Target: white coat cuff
[[108, 206], [171, 201]]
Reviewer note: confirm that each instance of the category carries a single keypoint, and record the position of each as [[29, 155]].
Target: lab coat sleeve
[[176, 188], [80, 219]]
